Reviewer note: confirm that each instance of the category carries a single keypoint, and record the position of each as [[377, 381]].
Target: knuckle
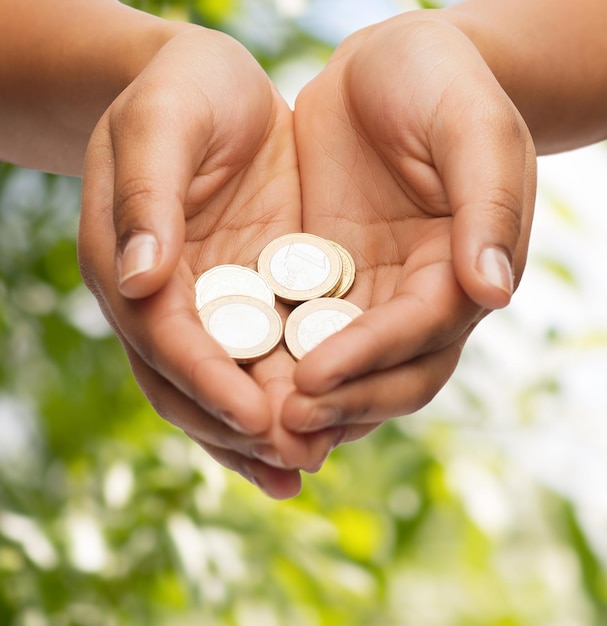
[[139, 105], [130, 201], [504, 208]]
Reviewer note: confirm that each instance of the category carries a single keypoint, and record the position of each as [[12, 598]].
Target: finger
[[370, 400], [206, 426], [488, 166], [155, 163], [233, 450], [165, 333], [279, 484], [143, 202], [283, 449], [291, 451], [430, 312], [493, 208]]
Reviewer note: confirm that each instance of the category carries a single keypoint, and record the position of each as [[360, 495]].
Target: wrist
[[124, 50], [545, 55], [61, 65], [146, 37]]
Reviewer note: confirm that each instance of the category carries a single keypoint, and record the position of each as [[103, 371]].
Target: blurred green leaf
[[559, 270]]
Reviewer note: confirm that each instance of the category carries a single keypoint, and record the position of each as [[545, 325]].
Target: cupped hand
[[192, 166], [413, 157]]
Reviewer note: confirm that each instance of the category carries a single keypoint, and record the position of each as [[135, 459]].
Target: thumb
[[490, 180], [152, 175]]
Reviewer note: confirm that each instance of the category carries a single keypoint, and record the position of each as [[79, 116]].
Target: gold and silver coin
[[231, 280], [300, 267], [248, 328], [348, 272], [313, 321]]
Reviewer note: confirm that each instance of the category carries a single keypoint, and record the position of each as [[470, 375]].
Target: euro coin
[[312, 322], [246, 327], [300, 267], [231, 280], [348, 272]]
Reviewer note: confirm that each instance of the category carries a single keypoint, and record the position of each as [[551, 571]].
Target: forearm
[[61, 64], [551, 58]]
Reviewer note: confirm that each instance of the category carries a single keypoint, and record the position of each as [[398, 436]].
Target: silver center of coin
[[300, 266], [239, 325], [317, 326]]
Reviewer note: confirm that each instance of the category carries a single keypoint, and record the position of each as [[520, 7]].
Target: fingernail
[[339, 438], [495, 267], [322, 417], [269, 455], [252, 478], [248, 474], [334, 382], [233, 423], [254, 481], [139, 256]]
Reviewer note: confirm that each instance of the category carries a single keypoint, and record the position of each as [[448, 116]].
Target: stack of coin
[[305, 268], [236, 307], [236, 303], [300, 267], [347, 273]]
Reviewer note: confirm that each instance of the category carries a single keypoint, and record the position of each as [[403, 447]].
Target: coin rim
[[292, 296], [262, 349], [271, 301], [305, 309], [348, 272]]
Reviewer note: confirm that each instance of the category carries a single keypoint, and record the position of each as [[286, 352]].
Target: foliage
[[111, 517]]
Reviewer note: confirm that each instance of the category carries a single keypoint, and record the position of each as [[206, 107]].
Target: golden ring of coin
[[348, 272], [246, 327], [312, 322]]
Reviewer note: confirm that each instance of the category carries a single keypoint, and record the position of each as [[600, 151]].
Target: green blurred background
[[487, 508]]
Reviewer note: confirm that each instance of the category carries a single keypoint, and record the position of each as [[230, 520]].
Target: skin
[[418, 169], [206, 199], [200, 159], [61, 65], [549, 58], [418, 200], [433, 160]]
